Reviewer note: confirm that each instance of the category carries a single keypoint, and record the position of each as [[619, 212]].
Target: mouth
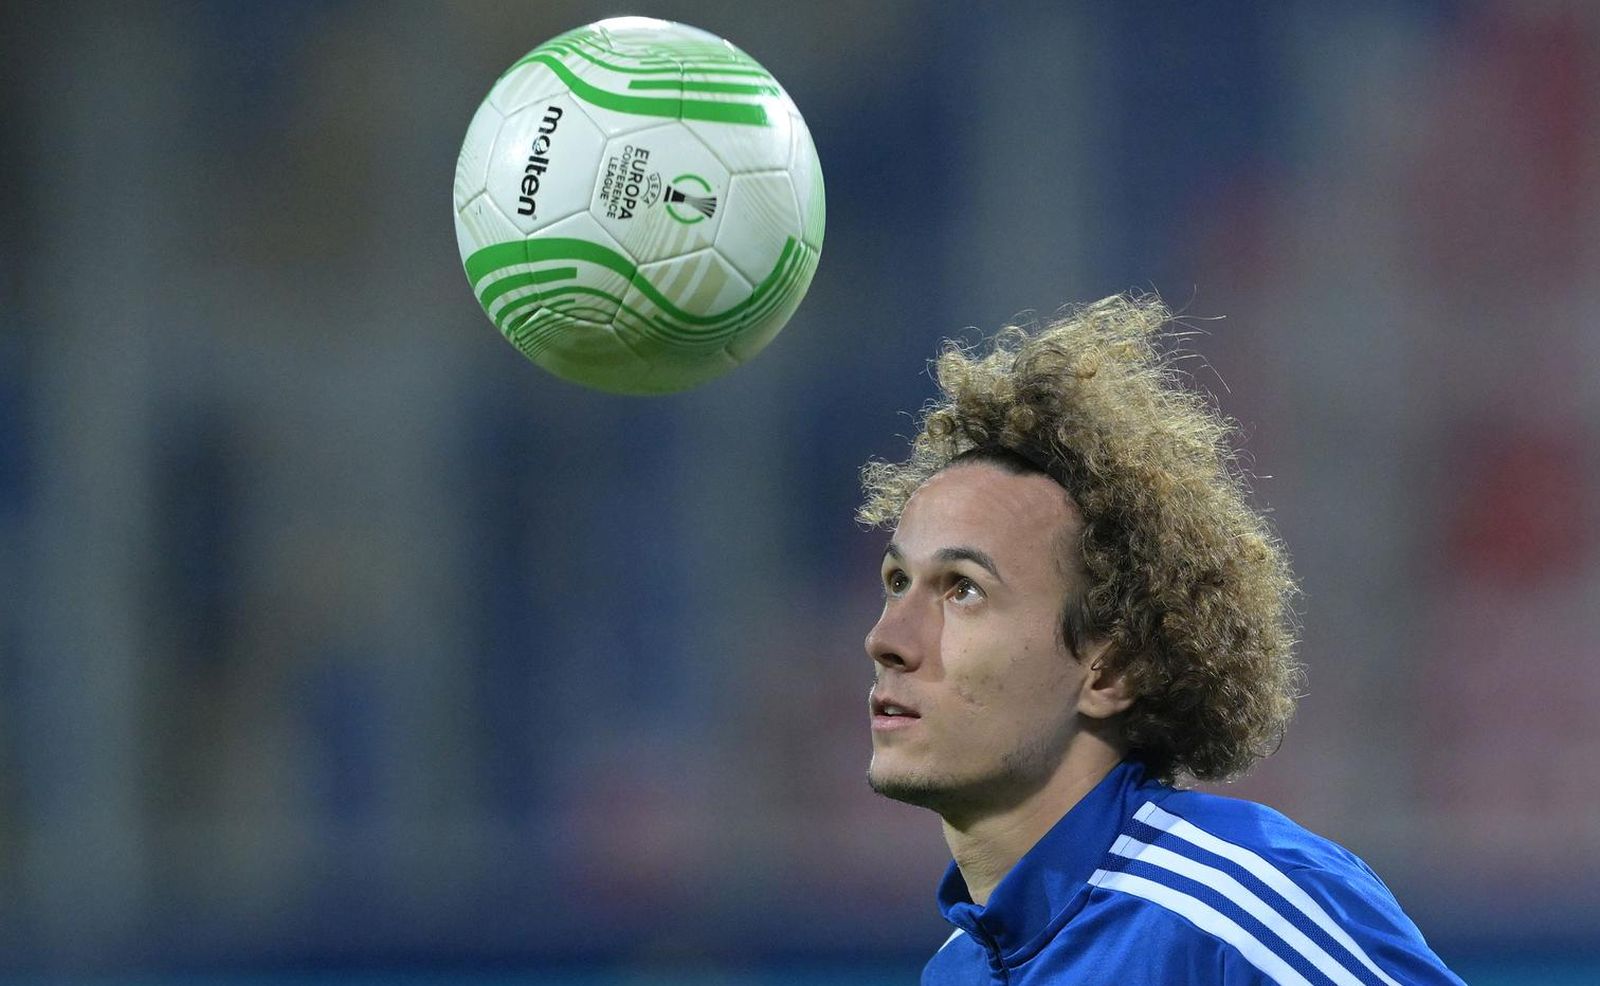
[[889, 715]]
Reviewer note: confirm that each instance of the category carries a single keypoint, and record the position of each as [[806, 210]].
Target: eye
[[965, 590], [896, 582]]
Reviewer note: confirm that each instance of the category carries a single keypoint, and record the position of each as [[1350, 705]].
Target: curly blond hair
[[1185, 581]]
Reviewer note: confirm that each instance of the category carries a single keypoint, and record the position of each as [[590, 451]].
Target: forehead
[[979, 505]]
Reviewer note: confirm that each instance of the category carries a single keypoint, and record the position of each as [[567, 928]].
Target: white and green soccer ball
[[638, 205]]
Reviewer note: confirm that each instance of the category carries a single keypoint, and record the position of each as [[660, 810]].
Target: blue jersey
[[1141, 884]]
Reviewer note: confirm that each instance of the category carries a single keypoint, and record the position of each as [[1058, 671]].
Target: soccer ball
[[638, 205]]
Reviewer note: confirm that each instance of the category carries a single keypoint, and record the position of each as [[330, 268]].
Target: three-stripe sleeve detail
[[1237, 896], [1207, 919]]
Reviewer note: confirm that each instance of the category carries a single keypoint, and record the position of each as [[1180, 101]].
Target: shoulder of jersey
[[1265, 831]]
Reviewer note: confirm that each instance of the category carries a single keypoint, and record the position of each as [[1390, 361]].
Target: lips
[[891, 707]]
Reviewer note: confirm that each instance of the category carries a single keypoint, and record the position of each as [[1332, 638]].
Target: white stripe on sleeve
[[1262, 870], [1227, 886], [1207, 919]]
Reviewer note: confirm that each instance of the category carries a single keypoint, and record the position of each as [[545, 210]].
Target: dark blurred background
[[339, 642]]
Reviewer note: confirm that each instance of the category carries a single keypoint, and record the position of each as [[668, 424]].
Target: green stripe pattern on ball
[[673, 66], [535, 320]]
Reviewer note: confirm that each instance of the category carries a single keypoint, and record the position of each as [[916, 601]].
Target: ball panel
[[683, 350], [747, 148], [481, 224], [806, 173], [671, 366], [669, 71], [658, 193], [703, 284], [472, 165], [663, 377], [523, 84], [621, 88], [576, 269], [645, 36], [621, 98], [542, 163], [761, 214], [765, 324], [577, 350]]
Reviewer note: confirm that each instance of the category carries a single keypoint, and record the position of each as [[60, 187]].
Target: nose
[[899, 640]]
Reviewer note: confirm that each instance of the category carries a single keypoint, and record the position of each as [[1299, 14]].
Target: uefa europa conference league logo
[[626, 185]]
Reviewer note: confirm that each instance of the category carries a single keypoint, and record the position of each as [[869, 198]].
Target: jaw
[[985, 785], [907, 773], [896, 766], [907, 786]]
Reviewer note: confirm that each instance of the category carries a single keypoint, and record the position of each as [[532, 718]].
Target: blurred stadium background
[[340, 644]]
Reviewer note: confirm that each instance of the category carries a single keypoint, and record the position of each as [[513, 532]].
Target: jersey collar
[[1049, 883]]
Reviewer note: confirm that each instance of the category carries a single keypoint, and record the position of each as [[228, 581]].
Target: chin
[[911, 787]]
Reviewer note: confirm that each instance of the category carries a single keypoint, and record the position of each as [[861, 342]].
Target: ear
[[1103, 693]]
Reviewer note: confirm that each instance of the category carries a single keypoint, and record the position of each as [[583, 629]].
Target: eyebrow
[[953, 554]]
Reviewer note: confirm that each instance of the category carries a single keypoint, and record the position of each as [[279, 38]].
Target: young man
[[1080, 610]]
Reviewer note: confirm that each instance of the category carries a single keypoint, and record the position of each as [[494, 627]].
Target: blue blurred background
[[340, 644]]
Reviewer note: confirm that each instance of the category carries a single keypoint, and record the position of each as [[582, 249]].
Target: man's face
[[970, 641]]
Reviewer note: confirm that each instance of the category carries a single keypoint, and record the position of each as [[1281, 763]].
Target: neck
[[987, 844]]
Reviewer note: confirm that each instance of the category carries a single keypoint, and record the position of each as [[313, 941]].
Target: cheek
[[979, 692], [1050, 672], [1033, 677], [982, 672]]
